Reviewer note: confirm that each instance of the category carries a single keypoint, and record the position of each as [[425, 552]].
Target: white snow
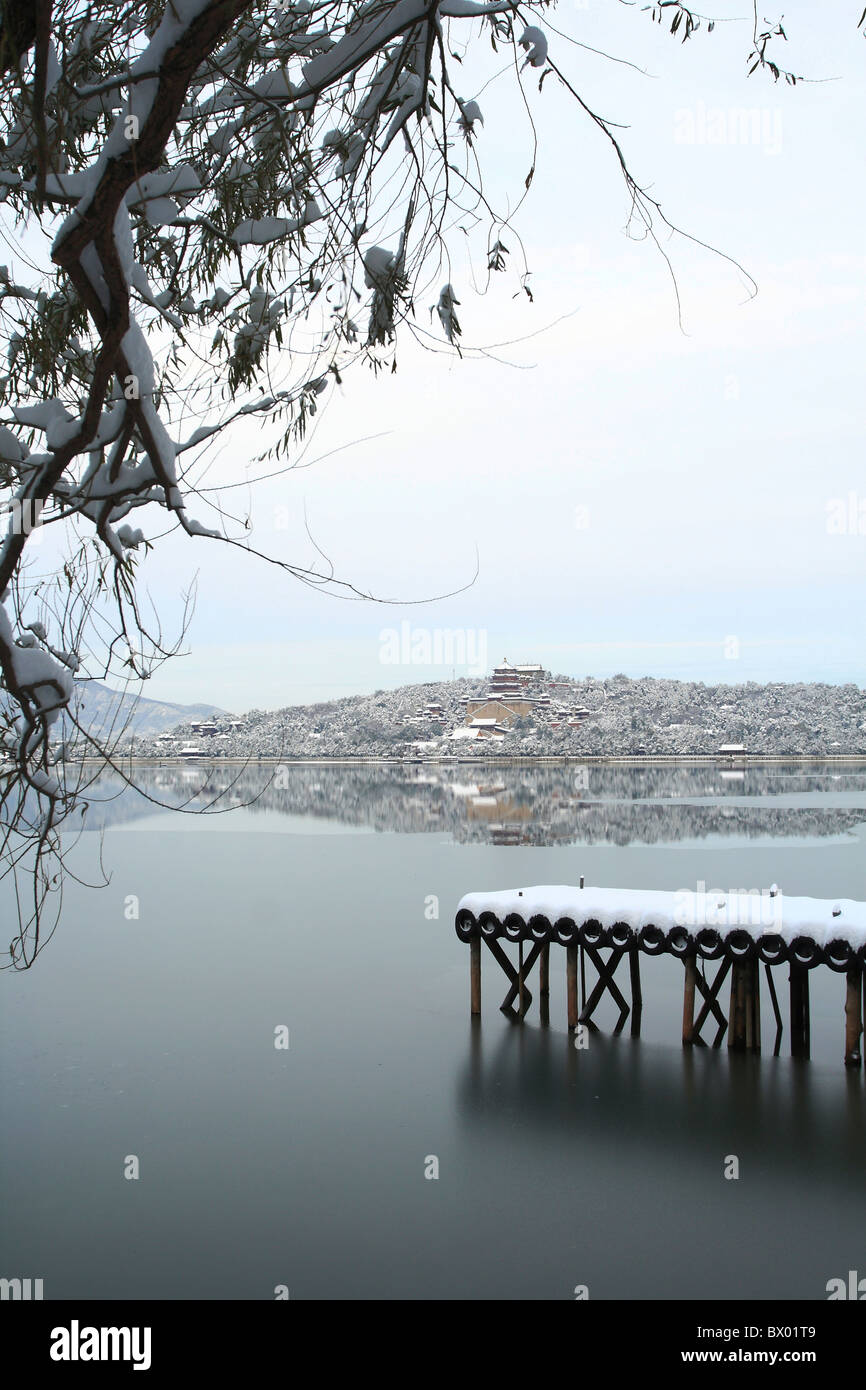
[[274, 86], [787, 917], [48, 683], [195, 528], [466, 9], [11, 447], [176, 20], [360, 43], [71, 186], [260, 231], [180, 182], [52, 418], [161, 212], [447, 316], [378, 264], [470, 112], [535, 42], [130, 538]]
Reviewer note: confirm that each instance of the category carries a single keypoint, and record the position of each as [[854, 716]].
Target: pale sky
[[640, 498]]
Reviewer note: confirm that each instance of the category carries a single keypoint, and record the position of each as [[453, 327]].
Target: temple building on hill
[[502, 712], [509, 695], [508, 680]]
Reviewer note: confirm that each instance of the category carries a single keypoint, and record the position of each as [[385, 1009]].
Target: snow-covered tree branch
[[217, 208]]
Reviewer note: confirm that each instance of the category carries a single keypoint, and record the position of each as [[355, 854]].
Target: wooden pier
[[720, 938]]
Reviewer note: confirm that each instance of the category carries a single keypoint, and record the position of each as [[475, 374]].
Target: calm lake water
[[305, 1167]]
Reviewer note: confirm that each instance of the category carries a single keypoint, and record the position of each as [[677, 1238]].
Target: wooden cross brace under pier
[[599, 927], [709, 991], [517, 977], [742, 1025], [575, 967], [607, 984]]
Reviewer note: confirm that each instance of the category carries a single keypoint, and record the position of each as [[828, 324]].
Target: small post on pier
[[800, 1039], [853, 1017], [475, 974], [690, 963], [571, 985]]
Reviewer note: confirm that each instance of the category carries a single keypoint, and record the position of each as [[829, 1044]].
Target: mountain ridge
[[101, 709], [615, 717]]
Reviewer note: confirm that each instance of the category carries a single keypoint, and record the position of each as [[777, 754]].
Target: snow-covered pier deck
[[741, 930]]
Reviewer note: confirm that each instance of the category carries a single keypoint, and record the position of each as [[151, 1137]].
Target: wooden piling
[[636, 991], [702, 999], [776, 1011], [800, 1031], [475, 974], [544, 985], [737, 1009], [634, 976], [853, 1017], [691, 975], [571, 985], [521, 1007]]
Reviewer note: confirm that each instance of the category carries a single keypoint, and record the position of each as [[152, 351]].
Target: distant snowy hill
[[100, 709], [571, 718]]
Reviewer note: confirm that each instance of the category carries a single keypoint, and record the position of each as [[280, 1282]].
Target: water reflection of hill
[[532, 805]]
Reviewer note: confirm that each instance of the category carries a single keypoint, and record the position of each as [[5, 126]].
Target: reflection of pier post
[[800, 1030], [853, 1017]]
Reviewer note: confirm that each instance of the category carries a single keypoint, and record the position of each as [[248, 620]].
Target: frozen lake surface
[[311, 911]]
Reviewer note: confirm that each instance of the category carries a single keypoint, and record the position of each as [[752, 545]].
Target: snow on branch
[[227, 191]]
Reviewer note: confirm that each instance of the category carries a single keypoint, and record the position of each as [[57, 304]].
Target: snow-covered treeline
[[625, 718]]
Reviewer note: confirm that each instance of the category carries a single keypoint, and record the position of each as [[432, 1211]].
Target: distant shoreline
[[644, 760]]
